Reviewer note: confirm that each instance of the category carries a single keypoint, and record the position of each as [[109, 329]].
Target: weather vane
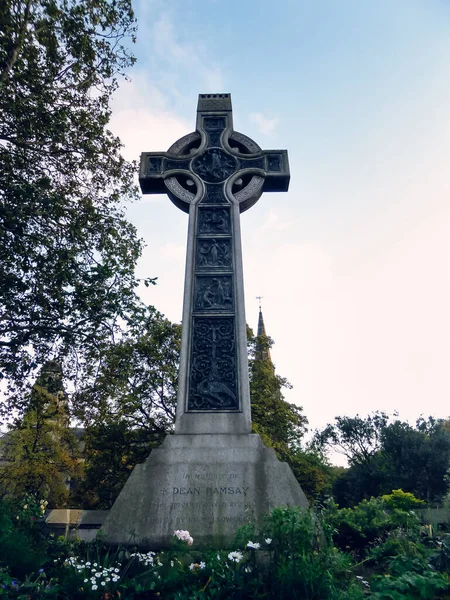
[[259, 298]]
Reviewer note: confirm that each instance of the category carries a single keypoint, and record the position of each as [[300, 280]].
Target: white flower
[[95, 587], [202, 565], [95, 564], [268, 540], [102, 582], [171, 563], [218, 556], [184, 536], [108, 579], [253, 545], [88, 564], [98, 574], [236, 556], [247, 570], [191, 566], [86, 580]]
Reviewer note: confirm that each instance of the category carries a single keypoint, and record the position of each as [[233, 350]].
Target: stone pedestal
[[207, 484]]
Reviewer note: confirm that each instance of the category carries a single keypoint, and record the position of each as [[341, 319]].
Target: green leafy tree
[[111, 452], [357, 438], [416, 459], [133, 379], [67, 253], [127, 402], [39, 453], [281, 424], [385, 455]]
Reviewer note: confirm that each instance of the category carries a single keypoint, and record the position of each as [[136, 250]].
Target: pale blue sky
[[353, 262]]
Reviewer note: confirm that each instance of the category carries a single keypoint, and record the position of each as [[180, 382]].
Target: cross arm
[[155, 167], [273, 165]]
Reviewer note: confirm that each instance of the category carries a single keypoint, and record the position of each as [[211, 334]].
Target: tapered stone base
[[208, 484]]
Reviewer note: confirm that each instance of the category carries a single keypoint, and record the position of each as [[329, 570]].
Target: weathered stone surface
[[208, 484], [213, 475]]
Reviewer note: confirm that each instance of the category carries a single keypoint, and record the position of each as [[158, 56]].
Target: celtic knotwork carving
[[214, 220], [183, 143], [213, 293], [245, 141], [213, 253], [250, 193], [214, 194], [174, 186], [214, 165], [213, 384]]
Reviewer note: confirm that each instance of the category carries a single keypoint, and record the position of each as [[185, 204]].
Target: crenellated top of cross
[[214, 154]]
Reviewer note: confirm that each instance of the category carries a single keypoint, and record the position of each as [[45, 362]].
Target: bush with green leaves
[[292, 556], [358, 529]]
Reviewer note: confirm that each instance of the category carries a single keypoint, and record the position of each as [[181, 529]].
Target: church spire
[[262, 346]]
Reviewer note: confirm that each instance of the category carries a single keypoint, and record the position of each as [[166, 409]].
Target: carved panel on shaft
[[213, 380], [213, 293], [214, 220], [213, 252]]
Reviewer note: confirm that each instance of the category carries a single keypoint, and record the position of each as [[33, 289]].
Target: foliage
[[400, 500], [40, 452], [408, 578], [133, 379], [292, 557], [67, 252], [111, 450], [384, 456], [358, 439], [127, 403], [372, 521], [281, 424], [22, 544]]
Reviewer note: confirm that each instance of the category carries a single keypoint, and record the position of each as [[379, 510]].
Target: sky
[[353, 262]]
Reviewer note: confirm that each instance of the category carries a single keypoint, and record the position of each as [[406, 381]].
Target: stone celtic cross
[[214, 174]]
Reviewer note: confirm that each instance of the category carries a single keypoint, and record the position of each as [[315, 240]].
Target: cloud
[[175, 251], [273, 222], [264, 125], [181, 58], [142, 119]]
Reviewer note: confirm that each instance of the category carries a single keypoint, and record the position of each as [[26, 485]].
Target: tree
[[384, 456], [416, 459], [111, 452], [40, 454], [281, 424], [357, 438], [67, 253], [127, 403], [133, 379]]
